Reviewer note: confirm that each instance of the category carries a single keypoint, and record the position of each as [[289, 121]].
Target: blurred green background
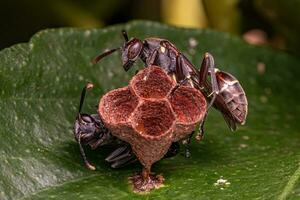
[[262, 22]]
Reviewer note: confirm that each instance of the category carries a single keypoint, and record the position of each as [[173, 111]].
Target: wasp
[[221, 89], [90, 130]]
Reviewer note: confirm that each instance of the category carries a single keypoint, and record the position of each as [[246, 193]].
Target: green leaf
[[41, 83]]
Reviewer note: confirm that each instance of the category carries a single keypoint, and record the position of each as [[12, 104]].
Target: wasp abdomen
[[233, 95]]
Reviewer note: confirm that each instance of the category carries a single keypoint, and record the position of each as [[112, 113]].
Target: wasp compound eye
[[134, 50]]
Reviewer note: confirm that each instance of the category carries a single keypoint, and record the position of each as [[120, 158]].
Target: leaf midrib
[[290, 185]]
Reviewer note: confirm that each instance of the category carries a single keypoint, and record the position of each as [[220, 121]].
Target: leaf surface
[[41, 83]]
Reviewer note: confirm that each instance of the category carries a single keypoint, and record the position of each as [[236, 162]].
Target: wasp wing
[[229, 121]]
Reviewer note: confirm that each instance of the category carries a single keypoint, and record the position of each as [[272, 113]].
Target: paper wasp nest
[[148, 116]]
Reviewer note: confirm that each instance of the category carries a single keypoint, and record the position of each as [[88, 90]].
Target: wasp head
[[130, 52]]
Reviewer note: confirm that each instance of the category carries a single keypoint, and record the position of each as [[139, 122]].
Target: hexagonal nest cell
[[189, 106], [153, 119], [151, 82], [117, 105]]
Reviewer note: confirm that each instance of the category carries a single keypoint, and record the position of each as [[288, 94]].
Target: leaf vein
[[290, 185]]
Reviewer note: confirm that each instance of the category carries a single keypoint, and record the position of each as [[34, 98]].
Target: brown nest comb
[[149, 114]]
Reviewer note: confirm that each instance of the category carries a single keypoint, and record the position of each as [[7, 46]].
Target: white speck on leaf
[[57, 78], [31, 45], [193, 42], [41, 108], [263, 99], [80, 78], [87, 33], [25, 103], [261, 68], [222, 182], [242, 146], [246, 137]]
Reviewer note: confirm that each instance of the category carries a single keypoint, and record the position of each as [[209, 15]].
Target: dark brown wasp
[[222, 90], [90, 130]]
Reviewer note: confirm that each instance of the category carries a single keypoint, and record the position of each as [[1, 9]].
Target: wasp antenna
[[125, 35], [87, 87], [106, 53], [86, 162]]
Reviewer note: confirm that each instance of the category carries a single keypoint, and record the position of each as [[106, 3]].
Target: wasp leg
[[182, 77], [186, 142], [124, 155], [151, 59], [200, 134], [211, 89], [121, 156], [208, 69], [180, 83], [182, 71], [173, 150], [100, 140], [86, 162]]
